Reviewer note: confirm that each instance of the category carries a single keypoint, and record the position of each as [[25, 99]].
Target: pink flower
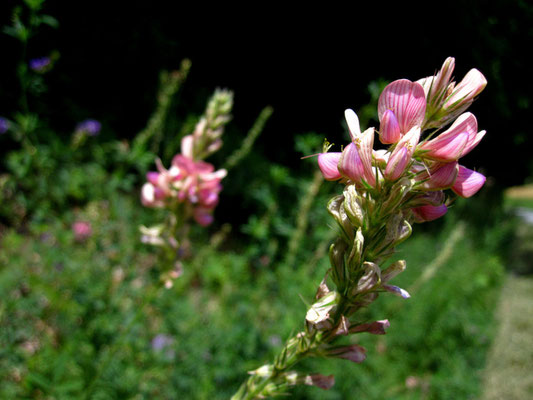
[[82, 230], [402, 102], [468, 182], [355, 162]]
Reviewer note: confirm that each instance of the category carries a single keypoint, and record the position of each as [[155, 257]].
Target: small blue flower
[[4, 125], [40, 64], [91, 127]]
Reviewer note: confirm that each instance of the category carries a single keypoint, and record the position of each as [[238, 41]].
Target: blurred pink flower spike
[[327, 162], [375, 328], [428, 213], [389, 131], [82, 230], [468, 182], [402, 154], [354, 353], [406, 100]]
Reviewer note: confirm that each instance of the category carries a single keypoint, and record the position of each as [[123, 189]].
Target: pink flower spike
[[353, 123], [406, 100], [429, 213], [350, 164], [327, 162], [389, 129], [468, 182]]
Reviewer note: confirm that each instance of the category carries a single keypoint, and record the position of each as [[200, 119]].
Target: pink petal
[[468, 182], [327, 162], [448, 148], [442, 176], [471, 85], [429, 213], [406, 100], [350, 164], [152, 177], [473, 141], [397, 164], [353, 123]]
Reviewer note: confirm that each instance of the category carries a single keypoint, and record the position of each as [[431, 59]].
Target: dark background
[[309, 63]]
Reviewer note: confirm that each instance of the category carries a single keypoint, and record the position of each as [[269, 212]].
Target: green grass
[[508, 375], [77, 319]]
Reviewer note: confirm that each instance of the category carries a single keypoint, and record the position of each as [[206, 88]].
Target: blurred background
[[69, 326]]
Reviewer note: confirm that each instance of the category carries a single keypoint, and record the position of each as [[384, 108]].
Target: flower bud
[[402, 154], [353, 206], [336, 210], [336, 258], [375, 328], [370, 278], [389, 131], [350, 164], [397, 291], [393, 270], [354, 353]]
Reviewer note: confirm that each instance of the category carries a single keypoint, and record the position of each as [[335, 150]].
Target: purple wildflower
[[91, 127], [160, 341], [40, 64], [4, 125]]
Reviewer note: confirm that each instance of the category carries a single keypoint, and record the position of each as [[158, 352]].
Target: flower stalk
[[385, 193]]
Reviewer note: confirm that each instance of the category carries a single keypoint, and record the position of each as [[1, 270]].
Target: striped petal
[[468, 182], [406, 100], [350, 164], [353, 123], [327, 162]]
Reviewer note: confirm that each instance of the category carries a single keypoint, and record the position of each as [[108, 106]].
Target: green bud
[[354, 259], [336, 257], [353, 206], [336, 209]]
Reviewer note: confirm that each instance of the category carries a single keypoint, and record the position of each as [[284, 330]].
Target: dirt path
[[509, 372]]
